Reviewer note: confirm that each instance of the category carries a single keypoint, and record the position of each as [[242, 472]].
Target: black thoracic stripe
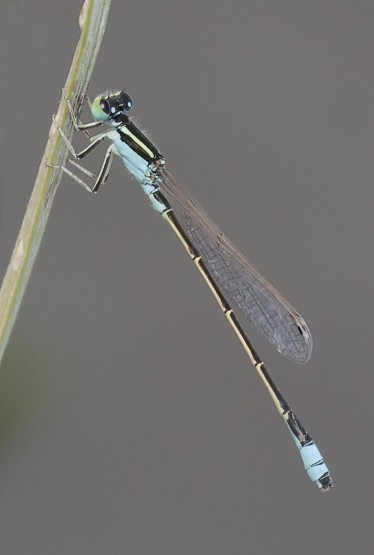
[[138, 142]]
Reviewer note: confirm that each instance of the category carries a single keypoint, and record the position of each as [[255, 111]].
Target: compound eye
[[126, 101], [100, 108], [104, 106]]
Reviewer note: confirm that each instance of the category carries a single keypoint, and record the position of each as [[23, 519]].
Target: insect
[[230, 277]]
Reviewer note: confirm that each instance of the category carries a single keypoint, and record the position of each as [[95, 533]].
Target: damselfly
[[228, 274]]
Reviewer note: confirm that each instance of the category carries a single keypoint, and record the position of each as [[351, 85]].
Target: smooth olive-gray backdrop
[[131, 421]]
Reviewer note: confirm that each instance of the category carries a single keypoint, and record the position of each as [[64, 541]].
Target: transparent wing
[[255, 297]]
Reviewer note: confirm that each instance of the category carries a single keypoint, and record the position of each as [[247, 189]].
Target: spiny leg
[[105, 167], [73, 176], [78, 155], [100, 179], [77, 124]]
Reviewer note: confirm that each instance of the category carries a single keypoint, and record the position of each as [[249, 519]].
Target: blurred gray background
[[130, 419]]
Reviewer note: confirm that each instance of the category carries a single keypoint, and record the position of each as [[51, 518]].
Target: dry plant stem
[[92, 21]]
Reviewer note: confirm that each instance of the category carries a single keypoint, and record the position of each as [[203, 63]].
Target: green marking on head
[[98, 108]]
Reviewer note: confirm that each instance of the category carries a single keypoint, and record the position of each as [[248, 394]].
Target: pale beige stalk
[[92, 22]]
